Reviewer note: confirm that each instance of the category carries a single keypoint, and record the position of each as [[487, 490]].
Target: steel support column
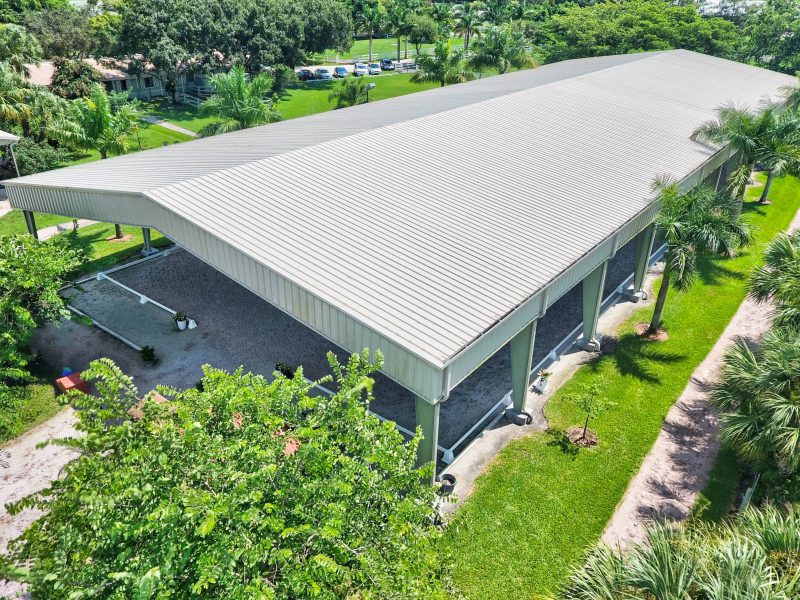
[[427, 416], [148, 246], [643, 245], [30, 223], [521, 358], [592, 298]]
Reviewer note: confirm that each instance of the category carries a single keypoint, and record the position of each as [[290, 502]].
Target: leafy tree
[[771, 36], [421, 30], [501, 48], [370, 18], [445, 66], [239, 102], [753, 556], [34, 157], [764, 135], [62, 32], [14, 108], [632, 26], [590, 402], [31, 273], [282, 77], [104, 29], [468, 22], [759, 394], [246, 489], [18, 48], [497, 12], [73, 78], [693, 223], [349, 92], [14, 11], [778, 279]]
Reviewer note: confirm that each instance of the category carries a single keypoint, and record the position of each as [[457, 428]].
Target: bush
[[282, 77], [35, 157], [246, 489]]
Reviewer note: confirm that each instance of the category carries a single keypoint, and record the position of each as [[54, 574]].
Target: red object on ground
[[72, 382]]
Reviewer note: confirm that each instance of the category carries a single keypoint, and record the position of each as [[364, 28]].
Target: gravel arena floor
[[237, 328]]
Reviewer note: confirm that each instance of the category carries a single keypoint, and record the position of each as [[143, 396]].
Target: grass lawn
[[716, 500], [381, 47], [541, 504], [39, 406], [105, 253], [311, 98], [14, 222], [183, 115], [151, 136]]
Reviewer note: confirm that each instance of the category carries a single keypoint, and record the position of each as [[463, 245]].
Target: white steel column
[[643, 244], [427, 417], [148, 246], [521, 357], [592, 298]]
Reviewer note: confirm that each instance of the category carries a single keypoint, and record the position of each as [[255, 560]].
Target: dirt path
[[678, 466]]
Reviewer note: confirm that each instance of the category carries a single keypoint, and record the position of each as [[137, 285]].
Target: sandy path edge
[[678, 466]]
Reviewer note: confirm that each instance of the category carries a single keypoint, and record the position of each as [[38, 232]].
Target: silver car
[[360, 69], [323, 73]]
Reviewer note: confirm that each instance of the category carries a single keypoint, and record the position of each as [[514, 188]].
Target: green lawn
[[310, 98], [716, 500], [381, 47], [39, 405], [541, 504], [14, 222], [151, 136], [104, 252], [182, 115]]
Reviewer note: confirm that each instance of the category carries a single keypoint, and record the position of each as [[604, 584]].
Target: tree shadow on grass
[[87, 244], [559, 439], [711, 271], [634, 356]]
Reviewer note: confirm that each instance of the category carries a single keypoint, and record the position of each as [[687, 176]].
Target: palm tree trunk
[[118, 231], [398, 47], [660, 299], [466, 41], [405, 52], [765, 192], [370, 46]]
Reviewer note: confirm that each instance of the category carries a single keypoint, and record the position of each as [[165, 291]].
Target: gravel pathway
[[678, 466]]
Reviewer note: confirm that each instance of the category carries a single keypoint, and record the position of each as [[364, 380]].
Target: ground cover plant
[[541, 503], [242, 489]]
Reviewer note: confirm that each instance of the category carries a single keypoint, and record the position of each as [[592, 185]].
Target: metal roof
[[7, 139], [422, 222]]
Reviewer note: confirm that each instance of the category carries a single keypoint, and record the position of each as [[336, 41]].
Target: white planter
[[181, 325], [540, 385]]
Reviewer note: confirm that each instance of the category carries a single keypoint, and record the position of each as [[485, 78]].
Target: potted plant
[[541, 381], [181, 320]]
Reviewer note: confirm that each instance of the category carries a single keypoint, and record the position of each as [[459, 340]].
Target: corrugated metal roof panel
[[498, 187]]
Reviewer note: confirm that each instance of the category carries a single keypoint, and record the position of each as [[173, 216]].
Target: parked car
[[339, 72], [387, 64], [360, 69], [323, 73], [305, 74], [374, 69]]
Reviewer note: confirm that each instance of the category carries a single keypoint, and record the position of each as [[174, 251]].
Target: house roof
[[110, 69], [425, 221], [7, 139]]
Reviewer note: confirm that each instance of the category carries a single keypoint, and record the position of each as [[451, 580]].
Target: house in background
[[144, 86]]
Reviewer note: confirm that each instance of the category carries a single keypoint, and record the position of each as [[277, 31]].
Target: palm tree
[[442, 14], [18, 48], [370, 19], [501, 48], [397, 18], [496, 11], [92, 125], [758, 394], [780, 152], [694, 223], [750, 133], [468, 22], [239, 102], [14, 105], [444, 66], [735, 559], [349, 92], [778, 279]]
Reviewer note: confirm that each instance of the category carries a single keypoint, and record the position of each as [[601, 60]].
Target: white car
[[374, 69], [323, 73], [360, 69]]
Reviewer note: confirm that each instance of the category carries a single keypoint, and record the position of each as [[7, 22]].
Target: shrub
[[246, 489]]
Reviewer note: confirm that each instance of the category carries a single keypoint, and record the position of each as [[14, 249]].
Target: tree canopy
[[242, 489]]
